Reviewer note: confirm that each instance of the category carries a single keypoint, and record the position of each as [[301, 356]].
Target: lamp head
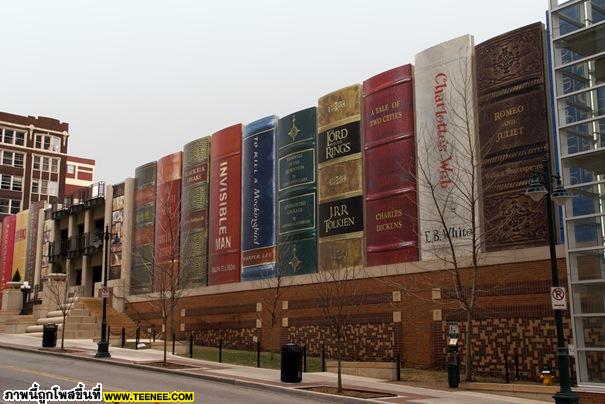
[[536, 190], [560, 194]]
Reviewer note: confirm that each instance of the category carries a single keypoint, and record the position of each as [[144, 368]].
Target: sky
[[138, 79]]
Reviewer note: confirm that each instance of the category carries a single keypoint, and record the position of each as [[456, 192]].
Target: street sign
[[558, 298], [104, 292]]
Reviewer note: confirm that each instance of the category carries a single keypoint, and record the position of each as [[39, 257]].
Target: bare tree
[[339, 300], [448, 177], [273, 288], [63, 294], [162, 268]]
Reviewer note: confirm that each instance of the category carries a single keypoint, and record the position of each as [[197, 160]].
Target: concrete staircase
[[80, 324], [115, 319], [12, 323]]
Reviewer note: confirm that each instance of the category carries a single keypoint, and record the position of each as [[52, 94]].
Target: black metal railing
[[92, 242]]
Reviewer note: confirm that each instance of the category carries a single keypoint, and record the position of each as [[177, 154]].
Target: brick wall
[[512, 306]]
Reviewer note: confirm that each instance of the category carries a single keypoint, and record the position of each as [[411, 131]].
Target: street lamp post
[[103, 344], [536, 191], [25, 289]]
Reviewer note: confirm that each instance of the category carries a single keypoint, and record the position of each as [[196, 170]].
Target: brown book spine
[[340, 179]]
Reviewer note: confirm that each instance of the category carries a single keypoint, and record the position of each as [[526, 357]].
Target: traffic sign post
[[558, 298]]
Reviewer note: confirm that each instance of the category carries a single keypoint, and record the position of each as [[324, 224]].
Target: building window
[[53, 188], [54, 165], [35, 187], [11, 136], [37, 163], [13, 159], [11, 183], [9, 206], [45, 163], [71, 169], [20, 138], [48, 142]]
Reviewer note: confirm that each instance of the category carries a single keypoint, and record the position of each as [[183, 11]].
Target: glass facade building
[[577, 34]]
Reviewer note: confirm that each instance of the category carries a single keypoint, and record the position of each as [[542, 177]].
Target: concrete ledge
[[531, 391], [377, 370]]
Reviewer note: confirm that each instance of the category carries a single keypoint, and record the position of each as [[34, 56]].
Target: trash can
[[49, 336], [453, 374], [291, 363]]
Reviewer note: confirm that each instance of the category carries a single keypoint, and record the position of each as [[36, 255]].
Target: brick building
[[33, 152], [79, 173]]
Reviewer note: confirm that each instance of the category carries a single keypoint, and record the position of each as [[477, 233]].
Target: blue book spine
[[297, 193], [259, 249]]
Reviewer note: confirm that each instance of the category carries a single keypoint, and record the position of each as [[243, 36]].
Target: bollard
[[153, 332], [323, 358], [258, 354], [123, 337], [191, 346], [398, 367], [137, 337], [305, 359], [220, 351], [173, 343]]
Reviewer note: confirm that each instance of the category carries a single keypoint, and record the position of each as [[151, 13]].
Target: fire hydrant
[[546, 376]]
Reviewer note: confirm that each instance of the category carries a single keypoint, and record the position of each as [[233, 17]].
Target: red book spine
[[390, 161], [8, 244], [225, 206], [167, 216]]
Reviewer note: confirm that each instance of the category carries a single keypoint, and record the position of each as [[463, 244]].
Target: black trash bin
[[291, 363], [453, 375], [49, 335]]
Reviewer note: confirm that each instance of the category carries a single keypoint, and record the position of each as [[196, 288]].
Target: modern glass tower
[[577, 34]]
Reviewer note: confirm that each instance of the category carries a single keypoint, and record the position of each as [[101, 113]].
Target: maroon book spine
[[168, 224], [390, 160], [224, 226]]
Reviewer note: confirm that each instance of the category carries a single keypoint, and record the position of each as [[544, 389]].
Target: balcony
[[59, 211], [92, 242], [57, 250], [75, 246]]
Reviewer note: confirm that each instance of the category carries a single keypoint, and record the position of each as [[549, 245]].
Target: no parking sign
[[558, 298]]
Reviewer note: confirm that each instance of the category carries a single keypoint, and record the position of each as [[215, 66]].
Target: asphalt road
[[18, 370]]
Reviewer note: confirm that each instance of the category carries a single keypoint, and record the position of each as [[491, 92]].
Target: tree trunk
[[468, 354], [339, 353], [165, 341], [63, 333]]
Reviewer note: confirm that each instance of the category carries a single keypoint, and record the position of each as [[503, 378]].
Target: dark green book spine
[[297, 193]]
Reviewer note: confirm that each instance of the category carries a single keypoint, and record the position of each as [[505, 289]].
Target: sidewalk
[[264, 378]]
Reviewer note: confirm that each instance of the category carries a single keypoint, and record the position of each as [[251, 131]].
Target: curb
[[228, 380]]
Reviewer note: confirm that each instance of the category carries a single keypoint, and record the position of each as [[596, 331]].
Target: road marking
[[54, 376]]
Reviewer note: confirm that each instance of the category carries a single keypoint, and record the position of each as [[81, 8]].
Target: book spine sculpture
[[168, 221], [390, 168], [297, 193], [447, 174], [340, 179], [194, 212], [259, 250], [141, 278], [513, 134], [225, 206]]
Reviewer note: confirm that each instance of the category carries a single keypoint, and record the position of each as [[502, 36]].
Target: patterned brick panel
[[531, 340], [593, 330], [506, 289], [233, 338], [595, 362], [374, 298], [203, 311], [362, 342]]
